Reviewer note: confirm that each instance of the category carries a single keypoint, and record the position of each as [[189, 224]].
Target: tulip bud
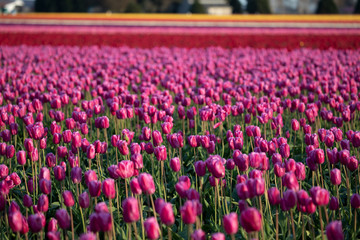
[[63, 218], [130, 210], [10, 151], [29, 145], [198, 234], [175, 164], [157, 138], [52, 225], [218, 236], [242, 205], [149, 148], [146, 183], [35, 223], [68, 198], [76, 175], [25, 226], [160, 153], [334, 231], [135, 186], [108, 188], [15, 221], [344, 156], [105, 221], [88, 236], [334, 204], [319, 196], [126, 169], [167, 214], [355, 201], [50, 160], [274, 196], [290, 198], [101, 207], [285, 150], [4, 171], [57, 138], [21, 157], [192, 141], [230, 223], [152, 228], [30, 185], [353, 164], [90, 151], [113, 171], [94, 223], [188, 212], [53, 235], [94, 188], [43, 203], [84, 200], [27, 201], [250, 220], [181, 188], [89, 176], [59, 173], [66, 135], [290, 181], [123, 147], [62, 151], [335, 176], [45, 186], [295, 125], [200, 168], [76, 139]]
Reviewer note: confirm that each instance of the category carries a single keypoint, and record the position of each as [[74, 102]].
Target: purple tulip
[[63, 218], [334, 231], [84, 200]]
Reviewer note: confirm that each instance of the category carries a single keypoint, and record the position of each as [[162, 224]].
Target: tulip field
[[104, 142]]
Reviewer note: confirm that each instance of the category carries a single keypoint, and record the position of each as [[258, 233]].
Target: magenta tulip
[[250, 220], [130, 210]]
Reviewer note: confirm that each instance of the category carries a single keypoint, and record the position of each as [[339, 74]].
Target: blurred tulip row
[[122, 143]]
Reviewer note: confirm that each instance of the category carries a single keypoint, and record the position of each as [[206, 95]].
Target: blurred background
[[213, 7]]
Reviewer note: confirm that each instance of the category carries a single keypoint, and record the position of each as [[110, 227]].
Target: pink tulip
[[152, 228], [198, 234], [125, 169], [188, 212], [218, 236], [230, 223], [15, 221], [108, 188], [274, 196], [146, 183], [335, 176], [68, 198], [250, 220], [160, 153], [130, 210], [167, 214], [135, 186]]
